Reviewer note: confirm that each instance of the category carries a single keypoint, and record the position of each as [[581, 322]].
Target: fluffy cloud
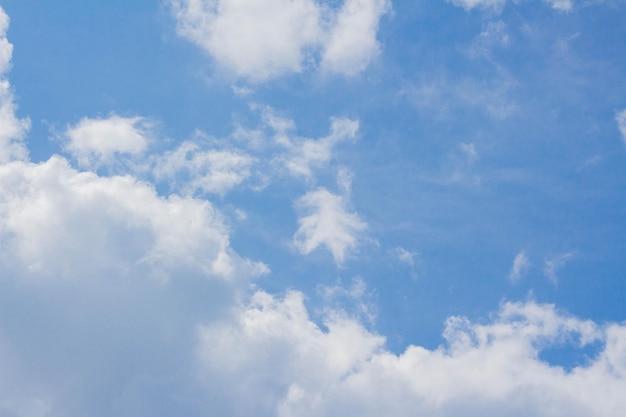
[[620, 118], [94, 142], [59, 223], [326, 221], [210, 171], [12, 129], [352, 44], [262, 40], [273, 359], [521, 263]]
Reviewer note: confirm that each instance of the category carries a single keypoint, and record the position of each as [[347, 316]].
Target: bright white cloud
[[305, 155], [95, 142], [326, 221], [262, 40], [12, 129], [521, 263], [210, 171], [553, 264], [620, 118], [58, 223], [273, 360], [352, 43]]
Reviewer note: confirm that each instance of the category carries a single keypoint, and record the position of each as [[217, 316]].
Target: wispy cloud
[[521, 263], [561, 5], [620, 118], [326, 221], [553, 264]]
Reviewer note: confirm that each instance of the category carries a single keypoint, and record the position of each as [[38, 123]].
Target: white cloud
[[561, 5], [12, 129], [620, 118], [326, 221], [263, 40], [210, 171], [95, 142], [553, 264], [521, 263], [57, 223], [352, 43], [305, 155], [273, 360]]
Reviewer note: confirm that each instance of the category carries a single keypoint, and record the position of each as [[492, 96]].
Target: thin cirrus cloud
[[553, 264], [520, 267], [561, 5], [264, 40], [273, 360], [620, 118]]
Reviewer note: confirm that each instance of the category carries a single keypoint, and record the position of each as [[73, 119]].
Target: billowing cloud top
[[263, 40], [133, 281]]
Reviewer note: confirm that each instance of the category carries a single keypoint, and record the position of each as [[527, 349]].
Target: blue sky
[[307, 207]]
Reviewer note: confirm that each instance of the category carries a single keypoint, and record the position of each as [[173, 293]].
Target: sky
[[312, 208]]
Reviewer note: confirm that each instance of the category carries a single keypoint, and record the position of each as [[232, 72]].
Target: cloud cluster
[[262, 40], [273, 359], [12, 129]]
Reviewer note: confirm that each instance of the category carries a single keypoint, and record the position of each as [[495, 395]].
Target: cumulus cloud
[[206, 171], [352, 43], [263, 40], [326, 221], [12, 129], [620, 118], [273, 360], [59, 223], [96, 142], [521, 263]]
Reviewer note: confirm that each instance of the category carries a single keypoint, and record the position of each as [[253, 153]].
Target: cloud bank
[[273, 360]]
